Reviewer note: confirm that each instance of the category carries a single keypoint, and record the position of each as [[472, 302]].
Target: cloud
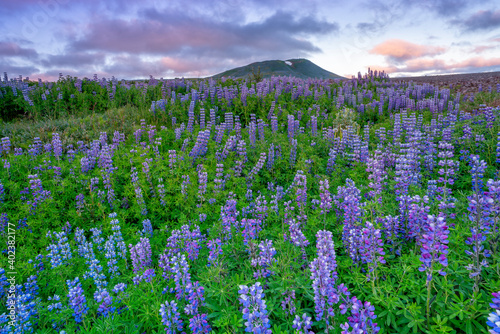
[[437, 66], [479, 21], [73, 59], [398, 50], [482, 48], [11, 49], [176, 33]]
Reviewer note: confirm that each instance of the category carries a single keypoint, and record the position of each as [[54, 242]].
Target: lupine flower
[[59, 249], [258, 166], [215, 247], [265, 259], [77, 300], [140, 255], [361, 319], [180, 270], [434, 246], [110, 255], [147, 228], [293, 153], [371, 249], [325, 294], [326, 198], [161, 192], [3, 282], [147, 276], [254, 309], [195, 298], [288, 305], [302, 325], [117, 236], [106, 300], [80, 203], [199, 324], [184, 185], [171, 318]]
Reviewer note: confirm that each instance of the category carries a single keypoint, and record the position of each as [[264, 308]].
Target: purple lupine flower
[[254, 309], [97, 239], [2, 192], [184, 185], [434, 246], [323, 276], [293, 153], [361, 319], [147, 228], [180, 270], [371, 249], [106, 300], [147, 276], [351, 234], [258, 166], [250, 229], [59, 249], [332, 156], [6, 145], [80, 203], [219, 185], [172, 156], [202, 181], [494, 322], [117, 236], [265, 259], [57, 145], [300, 184], [326, 198], [494, 317], [394, 232], [194, 297], [302, 325], [326, 249], [447, 170], [140, 255], [288, 305], [138, 191], [110, 255], [199, 324], [171, 318], [375, 166], [77, 300], [161, 192], [215, 247]]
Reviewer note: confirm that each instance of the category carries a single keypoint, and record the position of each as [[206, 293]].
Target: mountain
[[299, 68]]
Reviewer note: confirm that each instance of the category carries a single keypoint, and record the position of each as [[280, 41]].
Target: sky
[[131, 39]]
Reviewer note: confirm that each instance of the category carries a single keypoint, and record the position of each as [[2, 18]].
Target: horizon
[[42, 38]]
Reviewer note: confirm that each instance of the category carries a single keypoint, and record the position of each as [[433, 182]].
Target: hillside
[[299, 68]]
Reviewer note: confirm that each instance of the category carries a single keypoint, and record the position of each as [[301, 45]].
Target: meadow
[[279, 205]]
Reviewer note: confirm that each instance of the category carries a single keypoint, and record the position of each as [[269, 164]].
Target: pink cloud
[[482, 48], [401, 50], [439, 65]]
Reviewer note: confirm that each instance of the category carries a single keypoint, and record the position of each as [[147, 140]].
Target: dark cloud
[[11, 49], [16, 70], [73, 59], [175, 33], [480, 21]]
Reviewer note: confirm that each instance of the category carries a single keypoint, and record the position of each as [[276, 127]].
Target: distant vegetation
[[280, 205]]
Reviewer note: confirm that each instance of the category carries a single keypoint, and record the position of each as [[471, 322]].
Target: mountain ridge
[[299, 68]]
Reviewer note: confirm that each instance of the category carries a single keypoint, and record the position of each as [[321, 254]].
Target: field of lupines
[[283, 206]]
